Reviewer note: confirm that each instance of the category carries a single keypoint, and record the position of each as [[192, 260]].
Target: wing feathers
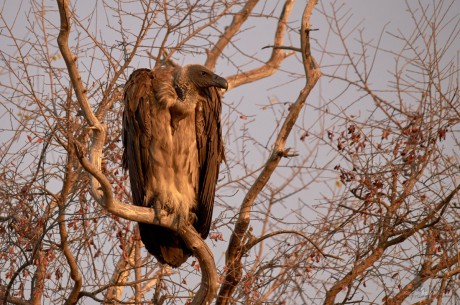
[[172, 164], [211, 154], [135, 131]]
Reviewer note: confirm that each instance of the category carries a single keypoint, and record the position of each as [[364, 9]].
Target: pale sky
[[371, 16]]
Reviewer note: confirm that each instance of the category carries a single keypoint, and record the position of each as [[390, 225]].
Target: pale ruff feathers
[[175, 157]]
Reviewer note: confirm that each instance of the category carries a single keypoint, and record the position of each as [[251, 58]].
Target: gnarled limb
[[209, 278], [271, 65], [99, 130], [236, 246], [101, 188]]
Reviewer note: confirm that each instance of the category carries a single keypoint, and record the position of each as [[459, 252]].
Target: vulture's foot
[[182, 220], [178, 221], [158, 213], [192, 218]]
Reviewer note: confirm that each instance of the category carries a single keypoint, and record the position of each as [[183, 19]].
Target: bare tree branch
[[102, 189], [235, 247], [209, 279], [230, 31], [273, 63]]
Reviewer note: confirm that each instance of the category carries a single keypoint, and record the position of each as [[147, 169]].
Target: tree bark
[[236, 245]]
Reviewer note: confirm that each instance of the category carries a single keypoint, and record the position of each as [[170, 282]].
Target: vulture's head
[[202, 77]]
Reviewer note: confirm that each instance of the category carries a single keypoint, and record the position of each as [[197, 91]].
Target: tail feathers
[[164, 244]]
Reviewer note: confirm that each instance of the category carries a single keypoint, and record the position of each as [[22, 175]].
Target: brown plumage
[[173, 148]]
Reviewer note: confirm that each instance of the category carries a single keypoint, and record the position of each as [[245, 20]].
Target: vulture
[[173, 148]]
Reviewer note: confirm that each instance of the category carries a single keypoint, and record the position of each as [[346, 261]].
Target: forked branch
[[278, 54], [236, 246]]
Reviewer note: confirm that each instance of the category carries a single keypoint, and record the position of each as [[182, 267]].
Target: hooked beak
[[220, 82]]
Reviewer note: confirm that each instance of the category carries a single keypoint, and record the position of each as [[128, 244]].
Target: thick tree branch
[[71, 60], [209, 278], [126, 211], [276, 58], [37, 295], [236, 247], [101, 188], [99, 130], [229, 33]]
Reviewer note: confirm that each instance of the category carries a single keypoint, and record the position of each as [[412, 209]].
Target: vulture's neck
[[184, 88], [187, 97], [181, 92]]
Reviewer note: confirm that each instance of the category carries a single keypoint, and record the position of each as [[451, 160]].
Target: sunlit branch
[[274, 62], [229, 33], [235, 248]]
